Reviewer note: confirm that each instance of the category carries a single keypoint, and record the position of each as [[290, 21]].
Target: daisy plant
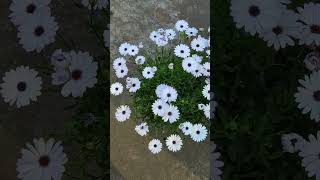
[[169, 85]]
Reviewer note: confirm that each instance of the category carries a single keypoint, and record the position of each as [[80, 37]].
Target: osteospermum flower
[[199, 44], [181, 25], [174, 143], [170, 34], [160, 88], [189, 64], [159, 107], [155, 146], [206, 91], [140, 60], [310, 155], [171, 114], [142, 129], [123, 113], [206, 69], [310, 28], [169, 94], [280, 34], [124, 49], [191, 32], [197, 58], [24, 11], [162, 41], [83, 71], [116, 89], [60, 60], [292, 142], [308, 96], [43, 160], [148, 72], [60, 76], [133, 84], [122, 71], [198, 71], [171, 66], [133, 50], [254, 15], [21, 86], [215, 163], [154, 35], [118, 63], [182, 51], [198, 132], [312, 61], [37, 33], [186, 128]]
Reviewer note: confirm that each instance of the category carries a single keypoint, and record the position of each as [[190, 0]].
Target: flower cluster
[[170, 88]]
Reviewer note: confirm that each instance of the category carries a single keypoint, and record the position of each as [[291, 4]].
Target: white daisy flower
[[106, 37], [312, 61], [170, 34], [199, 44], [43, 160], [207, 81], [292, 142], [118, 63], [189, 64], [206, 69], [198, 71], [191, 32], [148, 72], [133, 84], [182, 51], [142, 129], [116, 89], [208, 111], [160, 88], [215, 163], [83, 71], [171, 114], [60, 59], [174, 143], [162, 41], [197, 58], [154, 35], [133, 50], [279, 35], [140, 45], [124, 49], [170, 66], [308, 96], [60, 76], [95, 4], [123, 113], [25, 11], [310, 155], [38, 33], [186, 128], [181, 25], [140, 60], [161, 30], [206, 91], [159, 107], [155, 146], [122, 71], [254, 15], [169, 94], [199, 132], [201, 106], [21, 86], [310, 28]]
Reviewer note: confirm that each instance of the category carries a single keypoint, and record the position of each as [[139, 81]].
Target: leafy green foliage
[[254, 87]]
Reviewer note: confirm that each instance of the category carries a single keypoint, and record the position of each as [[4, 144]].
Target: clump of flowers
[[169, 86]]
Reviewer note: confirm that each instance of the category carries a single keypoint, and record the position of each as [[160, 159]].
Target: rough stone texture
[[132, 21]]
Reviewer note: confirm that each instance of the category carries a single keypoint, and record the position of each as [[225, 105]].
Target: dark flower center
[[119, 64], [294, 141], [187, 128], [155, 145], [315, 29], [254, 11], [181, 26], [141, 127], [169, 113], [123, 112], [198, 45], [159, 107], [31, 8], [133, 85], [117, 89], [44, 161], [125, 49], [316, 95], [198, 132], [173, 142], [148, 72], [277, 30], [76, 74], [189, 64], [122, 71], [21, 86], [39, 31], [168, 95], [182, 51]]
